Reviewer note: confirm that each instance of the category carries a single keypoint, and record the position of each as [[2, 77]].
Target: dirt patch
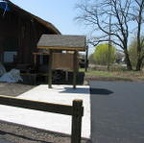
[[14, 89], [15, 133]]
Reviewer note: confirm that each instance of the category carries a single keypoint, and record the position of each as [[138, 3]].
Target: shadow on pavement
[[80, 90], [100, 91]]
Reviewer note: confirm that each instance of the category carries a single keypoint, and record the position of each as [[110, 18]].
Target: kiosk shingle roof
[[62, 42]]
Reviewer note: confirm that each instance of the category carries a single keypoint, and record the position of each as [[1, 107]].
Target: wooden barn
[[19, 34]]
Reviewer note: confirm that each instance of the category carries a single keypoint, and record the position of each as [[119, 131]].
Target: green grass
[[115, 75], [99, 73]]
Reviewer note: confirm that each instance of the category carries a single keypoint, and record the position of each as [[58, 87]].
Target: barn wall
[[19, 32], [8, 33]]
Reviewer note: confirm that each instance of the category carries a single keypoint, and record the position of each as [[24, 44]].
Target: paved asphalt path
[[117, 112], [4, 141]]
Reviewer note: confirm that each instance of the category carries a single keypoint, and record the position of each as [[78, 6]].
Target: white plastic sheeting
[[12, 76]]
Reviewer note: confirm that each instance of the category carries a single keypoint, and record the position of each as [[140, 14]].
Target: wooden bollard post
[[76, 121]]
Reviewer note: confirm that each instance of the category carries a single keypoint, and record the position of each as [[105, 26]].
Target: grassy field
[[115, 75]]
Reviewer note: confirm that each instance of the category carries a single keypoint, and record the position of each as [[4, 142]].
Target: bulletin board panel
[[64, 61]]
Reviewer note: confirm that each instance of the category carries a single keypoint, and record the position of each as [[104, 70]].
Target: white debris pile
[[2, 69], [12, 76]]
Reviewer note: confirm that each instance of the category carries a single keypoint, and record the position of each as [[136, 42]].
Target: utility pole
[[109, 40]]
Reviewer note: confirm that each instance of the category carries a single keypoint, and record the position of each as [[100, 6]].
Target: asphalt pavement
[[4, 141], [117, 112]]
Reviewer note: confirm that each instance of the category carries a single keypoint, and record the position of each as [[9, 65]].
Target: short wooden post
[[76, 121]]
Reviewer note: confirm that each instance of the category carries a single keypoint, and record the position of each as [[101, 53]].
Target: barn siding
[[25, 30]]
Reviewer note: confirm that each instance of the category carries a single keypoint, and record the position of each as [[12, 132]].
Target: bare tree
[[138, 18], [96, 13]]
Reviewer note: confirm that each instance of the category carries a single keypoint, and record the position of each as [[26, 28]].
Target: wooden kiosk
[[63, 53]]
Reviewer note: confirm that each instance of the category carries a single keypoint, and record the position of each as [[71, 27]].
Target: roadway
[[117, 112]]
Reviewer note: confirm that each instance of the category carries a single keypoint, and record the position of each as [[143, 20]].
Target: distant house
[[19, 34]]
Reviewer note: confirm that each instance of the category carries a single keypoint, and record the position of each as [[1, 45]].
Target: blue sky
[[60, 13]]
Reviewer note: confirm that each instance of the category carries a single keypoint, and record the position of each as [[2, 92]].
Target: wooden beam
[[50, 70], [75, 68], [62, 48], [36, 105]]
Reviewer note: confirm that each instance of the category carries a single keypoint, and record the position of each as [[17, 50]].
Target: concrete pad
[[59, 94]]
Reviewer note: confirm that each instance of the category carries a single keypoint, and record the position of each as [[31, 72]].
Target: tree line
[[116, 22]]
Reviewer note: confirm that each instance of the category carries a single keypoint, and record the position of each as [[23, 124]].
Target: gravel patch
[[15, 133]]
